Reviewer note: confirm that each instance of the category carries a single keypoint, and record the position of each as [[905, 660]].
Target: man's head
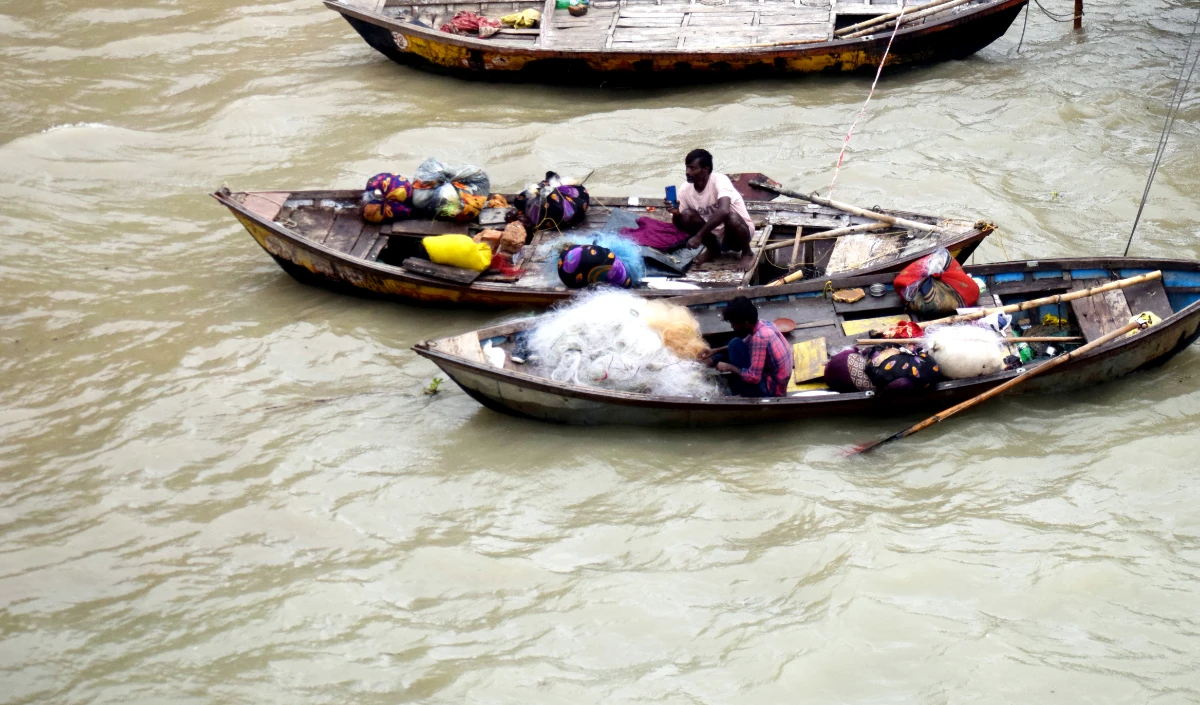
[[742, 316], [697, 166]]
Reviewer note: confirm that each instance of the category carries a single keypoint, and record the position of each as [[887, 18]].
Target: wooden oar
[[1048, 300], [1032, 372], [907, 18], [854, 210], [1006, 341], [829, 234]]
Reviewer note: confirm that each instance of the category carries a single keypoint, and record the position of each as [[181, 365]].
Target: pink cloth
[[655, 233], [705, 202]]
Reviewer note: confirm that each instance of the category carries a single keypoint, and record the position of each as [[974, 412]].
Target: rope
[[1181, 86], [1023, 27], [841, 155], [1057, 17]]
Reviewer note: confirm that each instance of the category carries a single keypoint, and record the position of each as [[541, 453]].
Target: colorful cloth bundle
[[553, 204], [583, 265], [467, 22], [655, 233], [386, 198]]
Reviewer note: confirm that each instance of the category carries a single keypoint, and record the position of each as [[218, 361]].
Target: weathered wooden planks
[[1100, 313], [854, 251], [345, 231], [457, 275], [366, 240], [313, 223], [1148, 296], [423, 227], [265, 204]]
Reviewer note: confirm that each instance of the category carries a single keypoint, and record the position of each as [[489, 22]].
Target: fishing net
[[606, 339]]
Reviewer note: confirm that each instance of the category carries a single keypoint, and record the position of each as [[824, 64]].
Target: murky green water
[[221, 486]]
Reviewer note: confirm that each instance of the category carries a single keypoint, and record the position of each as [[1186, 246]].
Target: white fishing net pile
[[604, 339]]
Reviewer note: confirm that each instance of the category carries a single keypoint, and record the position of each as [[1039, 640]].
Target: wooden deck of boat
[[333, 219], [625, 25]]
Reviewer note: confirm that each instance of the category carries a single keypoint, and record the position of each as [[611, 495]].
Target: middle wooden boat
[[320, 238]]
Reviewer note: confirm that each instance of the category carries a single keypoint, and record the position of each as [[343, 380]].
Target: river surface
[[220, 486]]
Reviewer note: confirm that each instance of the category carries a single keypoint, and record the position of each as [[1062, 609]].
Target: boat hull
[[464, 57], [316, 265], [528, 396]]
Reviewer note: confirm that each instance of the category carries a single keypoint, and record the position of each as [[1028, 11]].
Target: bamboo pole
[[1006, 341], [787, 43], [1047, 300], [830, 234], [854, 210], [999, 389], [908, 18], [794, 276], [889, 16], [795, 249]]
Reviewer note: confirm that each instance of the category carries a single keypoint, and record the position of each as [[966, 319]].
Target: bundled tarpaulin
[[451, 192]]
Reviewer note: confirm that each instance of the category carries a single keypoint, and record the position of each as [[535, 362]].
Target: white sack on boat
[[605, 339], [966, 351]]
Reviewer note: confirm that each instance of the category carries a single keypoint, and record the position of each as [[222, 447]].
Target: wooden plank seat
[[1100, 313]]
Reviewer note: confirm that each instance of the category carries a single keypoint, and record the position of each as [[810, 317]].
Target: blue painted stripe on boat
[[783, 297], [1089, 273], [1058, 310], [1009, 277], [495, 340], [1182, 301], [1181, 279], [809, 294], [1048, 275]]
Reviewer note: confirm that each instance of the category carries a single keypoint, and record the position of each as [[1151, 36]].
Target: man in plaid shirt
[[759, 358]]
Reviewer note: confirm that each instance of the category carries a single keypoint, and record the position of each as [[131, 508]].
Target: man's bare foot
[[706, 255]]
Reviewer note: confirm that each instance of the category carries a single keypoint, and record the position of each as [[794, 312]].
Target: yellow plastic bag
[[458, 251], [522, 20]]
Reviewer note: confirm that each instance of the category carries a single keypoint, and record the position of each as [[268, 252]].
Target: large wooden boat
[[520, 390], [640, 40], [320, 238]]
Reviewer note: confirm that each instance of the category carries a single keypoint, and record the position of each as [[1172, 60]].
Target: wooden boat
[[320, 238], [640, 40], [520, 390]]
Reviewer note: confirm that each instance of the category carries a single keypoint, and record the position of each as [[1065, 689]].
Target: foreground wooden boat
[[517, 389], [641, 40], [320, 238]]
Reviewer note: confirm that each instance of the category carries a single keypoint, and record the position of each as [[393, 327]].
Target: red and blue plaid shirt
[[770, 358]]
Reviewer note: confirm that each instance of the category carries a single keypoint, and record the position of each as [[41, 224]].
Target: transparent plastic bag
[[450, 192]]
